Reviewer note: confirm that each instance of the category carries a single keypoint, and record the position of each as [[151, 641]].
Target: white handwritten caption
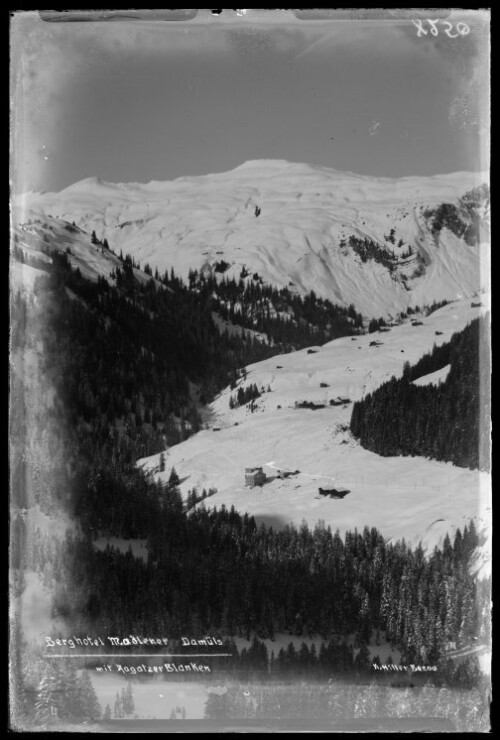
[[462, 29]]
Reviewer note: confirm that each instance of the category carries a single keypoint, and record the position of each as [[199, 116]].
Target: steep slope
[[301, 235], [414, 498], [39, 237]]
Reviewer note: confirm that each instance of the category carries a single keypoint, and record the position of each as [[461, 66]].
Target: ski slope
[[410, 497]]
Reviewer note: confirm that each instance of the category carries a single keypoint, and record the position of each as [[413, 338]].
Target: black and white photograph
[[250, 371]]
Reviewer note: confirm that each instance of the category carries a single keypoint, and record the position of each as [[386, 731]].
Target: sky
[[142, 100]]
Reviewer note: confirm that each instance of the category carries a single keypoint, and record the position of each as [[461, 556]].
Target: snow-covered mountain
[[56, 235], [301, 238]]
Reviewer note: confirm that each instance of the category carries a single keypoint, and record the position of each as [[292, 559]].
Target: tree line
[[217, 572], [62, 694], [334, 700], [244, 396], [119, 365], [444, 421], [288, 320]]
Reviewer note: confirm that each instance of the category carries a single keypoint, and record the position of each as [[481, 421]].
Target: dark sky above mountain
[[139, 100]]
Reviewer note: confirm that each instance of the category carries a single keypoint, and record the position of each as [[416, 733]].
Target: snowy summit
[[374, 242]]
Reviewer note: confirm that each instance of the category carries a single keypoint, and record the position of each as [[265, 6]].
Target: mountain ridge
[[291, 224], [275, 164]]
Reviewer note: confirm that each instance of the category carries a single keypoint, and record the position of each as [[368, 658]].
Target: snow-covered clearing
[[410, 497], [435, 378]]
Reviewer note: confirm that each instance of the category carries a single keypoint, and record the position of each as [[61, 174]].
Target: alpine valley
[[170, 339]]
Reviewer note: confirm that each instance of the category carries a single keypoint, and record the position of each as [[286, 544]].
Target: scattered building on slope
[[283, 474], [334, 492], [254, 477]]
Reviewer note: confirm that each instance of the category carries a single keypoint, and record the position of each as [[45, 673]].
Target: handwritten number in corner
[[462, 29], [433, 25], [420, 28]]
